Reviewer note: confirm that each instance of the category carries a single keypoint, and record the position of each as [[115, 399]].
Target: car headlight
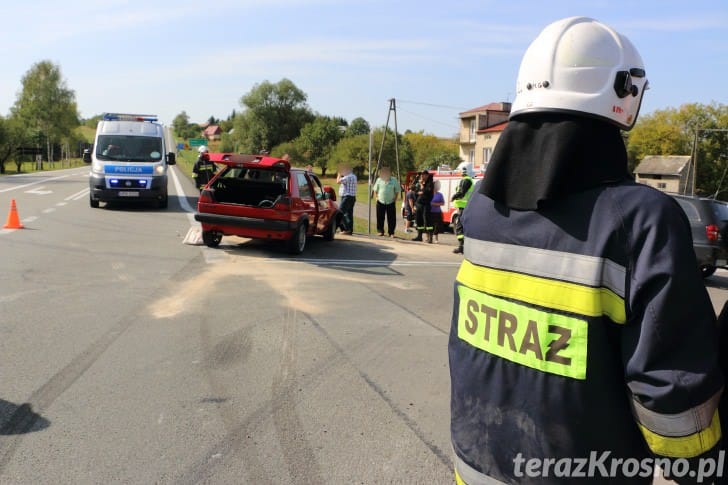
[[159, 169], [97, 167]]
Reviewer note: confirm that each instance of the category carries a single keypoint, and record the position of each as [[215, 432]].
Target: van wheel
[[164, 202], [93, 202], [297, 243], [211, 239], [707, 270]]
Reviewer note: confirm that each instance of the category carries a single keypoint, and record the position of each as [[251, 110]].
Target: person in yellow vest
[[460, 200]]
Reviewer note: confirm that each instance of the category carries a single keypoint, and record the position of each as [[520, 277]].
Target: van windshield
[[127, 148]]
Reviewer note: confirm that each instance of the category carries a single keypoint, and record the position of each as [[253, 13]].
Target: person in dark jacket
[[425, 190], [583, 345], [203, 168]]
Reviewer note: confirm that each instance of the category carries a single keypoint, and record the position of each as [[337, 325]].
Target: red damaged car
[[261, 197]]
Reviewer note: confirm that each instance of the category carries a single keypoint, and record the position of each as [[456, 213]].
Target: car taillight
[[206, 197], [282, 203], [712, 232]]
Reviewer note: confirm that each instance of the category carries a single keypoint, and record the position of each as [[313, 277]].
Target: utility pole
[[392, 108]]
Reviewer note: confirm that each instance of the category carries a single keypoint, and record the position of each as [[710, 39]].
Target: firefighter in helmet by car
[[581, 326], [203, 169], [460, 200]]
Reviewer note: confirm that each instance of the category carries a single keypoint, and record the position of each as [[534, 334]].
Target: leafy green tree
[[93, 121], [388, 157], [274, 113], [429, 151], [293, 150], [671, 131], [46, 105], [183, 128], [12, 136], [351, 150], [317, 139], [358, 126]]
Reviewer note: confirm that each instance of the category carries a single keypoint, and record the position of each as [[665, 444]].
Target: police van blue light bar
[[129, 117]]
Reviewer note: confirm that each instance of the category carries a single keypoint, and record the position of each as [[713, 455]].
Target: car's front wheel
[[211, 239], [297, 243], [707, 270], [93, 202], [163, 202]]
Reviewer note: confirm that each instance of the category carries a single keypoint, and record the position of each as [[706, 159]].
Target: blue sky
[[350, 57]]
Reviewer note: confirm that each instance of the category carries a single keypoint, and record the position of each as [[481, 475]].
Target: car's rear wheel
[[297, 243], [93, 202], [211, 239], [707, 270]]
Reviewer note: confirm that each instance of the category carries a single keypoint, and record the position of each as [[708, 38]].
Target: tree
[[430, 151], [293, 150], [274, 113], [12, 137], [671, 131], [46, 105], [183, 128], [358, 126], [352, 150], [388, 157], [317, 139]]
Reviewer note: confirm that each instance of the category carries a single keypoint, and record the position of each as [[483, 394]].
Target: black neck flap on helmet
[[547, 156]]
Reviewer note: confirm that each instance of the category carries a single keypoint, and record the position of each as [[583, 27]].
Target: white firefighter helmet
[[581, 65], [203, 149]]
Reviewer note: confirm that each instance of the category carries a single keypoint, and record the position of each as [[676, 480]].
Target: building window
[[472, 130], [471, 156], [487, 152], [662, 185]]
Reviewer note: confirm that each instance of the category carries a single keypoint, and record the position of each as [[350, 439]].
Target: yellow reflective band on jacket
[[548, 342], [684, 446], [544, 292]]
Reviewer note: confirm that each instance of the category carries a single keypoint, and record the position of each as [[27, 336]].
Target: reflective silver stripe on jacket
[[575, 268], [471, 476], [685, 423]]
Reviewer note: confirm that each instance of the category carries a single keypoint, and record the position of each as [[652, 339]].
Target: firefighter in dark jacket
[[583, 344], [203, 169], [460, 200], [424, 191]]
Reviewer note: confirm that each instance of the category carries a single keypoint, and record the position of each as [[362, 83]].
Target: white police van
[[129, 160]]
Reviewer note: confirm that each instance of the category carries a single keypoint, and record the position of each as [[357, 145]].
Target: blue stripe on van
[[129, 169]]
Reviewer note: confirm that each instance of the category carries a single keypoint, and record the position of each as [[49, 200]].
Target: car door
[[308, 200], [324, 214]]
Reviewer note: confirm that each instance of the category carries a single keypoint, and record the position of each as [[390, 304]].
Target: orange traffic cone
[[13, 219]]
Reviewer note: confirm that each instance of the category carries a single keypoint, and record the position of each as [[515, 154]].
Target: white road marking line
[[61, 204], [39, 191], [33, 183], [48, 210], [29, 219], [80, 192], [83, 194], [183, 198]]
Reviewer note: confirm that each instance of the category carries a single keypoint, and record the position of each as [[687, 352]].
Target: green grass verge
[[30, 167]]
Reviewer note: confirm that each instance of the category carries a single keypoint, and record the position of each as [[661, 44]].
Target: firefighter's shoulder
[[642, 206]]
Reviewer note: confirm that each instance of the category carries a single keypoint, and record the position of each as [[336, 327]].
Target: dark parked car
[[262, 197], [709, 222]]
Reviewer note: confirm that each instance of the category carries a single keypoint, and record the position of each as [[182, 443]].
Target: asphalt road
[[127, 356]]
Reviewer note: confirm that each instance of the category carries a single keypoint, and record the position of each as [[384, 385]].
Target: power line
[[432, 105], [453, 125]]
